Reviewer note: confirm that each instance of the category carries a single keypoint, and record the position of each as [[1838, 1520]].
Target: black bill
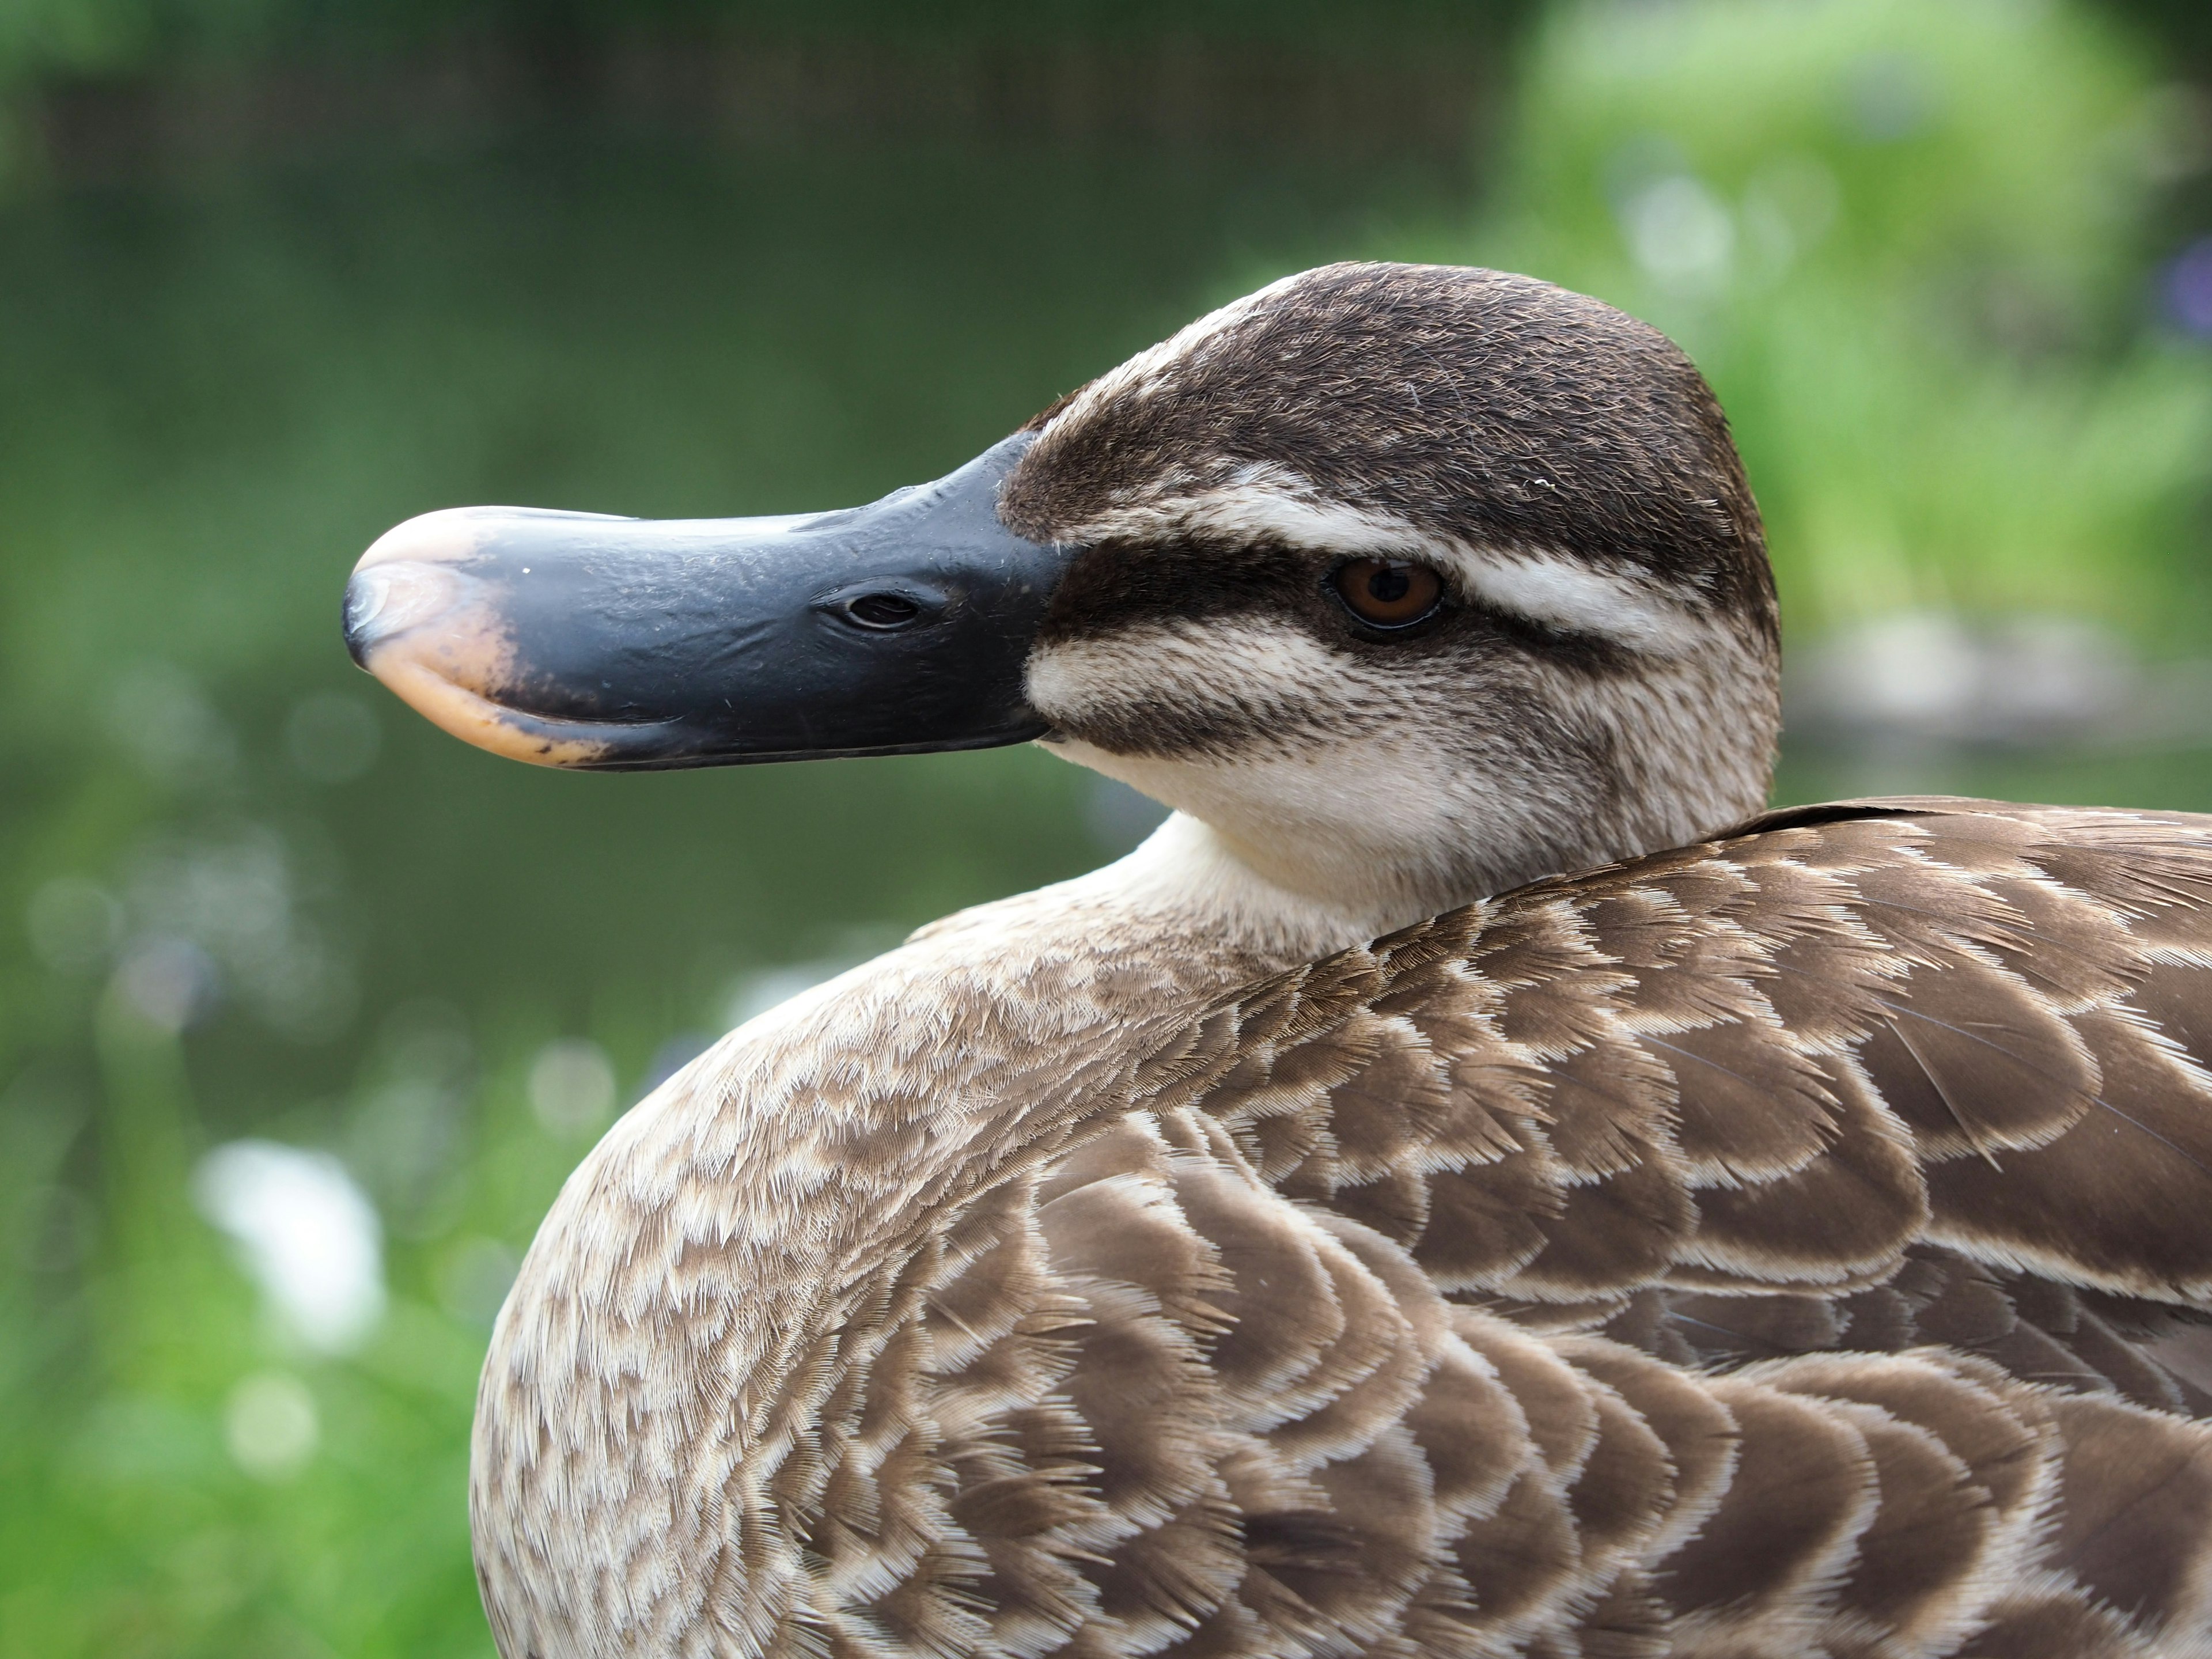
[[571, 639]]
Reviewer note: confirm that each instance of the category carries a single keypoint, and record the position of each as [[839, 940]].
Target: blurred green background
[[305, 1010]]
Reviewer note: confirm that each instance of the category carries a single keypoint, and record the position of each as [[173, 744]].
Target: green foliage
[[128, 1527], [211, 398], [1906, 242]]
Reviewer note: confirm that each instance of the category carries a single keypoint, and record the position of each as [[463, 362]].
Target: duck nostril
[[881, 611]]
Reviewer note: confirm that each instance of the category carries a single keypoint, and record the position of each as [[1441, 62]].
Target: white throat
[[1222, 887], [1335, 844], [1186, 898]]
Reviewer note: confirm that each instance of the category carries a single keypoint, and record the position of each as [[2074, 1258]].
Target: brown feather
[[1877, 1150]]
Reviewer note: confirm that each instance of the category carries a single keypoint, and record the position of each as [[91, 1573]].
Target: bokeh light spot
[[270, 1425], [305, 1235], [571, 1086]]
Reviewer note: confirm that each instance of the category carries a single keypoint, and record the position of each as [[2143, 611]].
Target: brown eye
[[1388, 592]]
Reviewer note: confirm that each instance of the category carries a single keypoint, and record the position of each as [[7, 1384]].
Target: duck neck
[[1190, 892], [774, 1191]]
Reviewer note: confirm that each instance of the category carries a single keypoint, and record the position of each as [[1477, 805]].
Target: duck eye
[[1388, 592]]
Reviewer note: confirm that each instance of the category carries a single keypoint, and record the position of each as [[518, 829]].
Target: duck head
[[1411, 583]]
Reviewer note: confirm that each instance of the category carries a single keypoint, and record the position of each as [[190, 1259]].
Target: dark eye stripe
[[1115, 585]]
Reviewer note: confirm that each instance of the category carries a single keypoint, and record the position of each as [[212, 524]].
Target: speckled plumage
[[1793, 1243], [1762, 1248]]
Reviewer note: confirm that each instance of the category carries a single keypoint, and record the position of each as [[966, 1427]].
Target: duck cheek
[[1201, 689], [1327, 818], [1374, 802]]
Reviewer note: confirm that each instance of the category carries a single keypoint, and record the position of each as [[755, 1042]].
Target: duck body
[[1328, 1231], [1497, 1287]]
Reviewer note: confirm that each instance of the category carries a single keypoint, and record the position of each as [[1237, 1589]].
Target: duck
[[1474, 1182]]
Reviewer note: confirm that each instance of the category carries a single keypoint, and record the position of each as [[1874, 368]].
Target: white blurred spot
[[1679, 231], [1932, 677], [270, 1425], [1905, 670], [171, 983], [305, 1233], [572, 1085], [332, 738], [74, 923]]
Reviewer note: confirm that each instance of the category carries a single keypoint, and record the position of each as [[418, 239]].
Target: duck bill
[[569, 639]]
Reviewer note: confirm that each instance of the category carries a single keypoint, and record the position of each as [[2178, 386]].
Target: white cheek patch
[[1266, 504], [1246, 664], [1353, 809]]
